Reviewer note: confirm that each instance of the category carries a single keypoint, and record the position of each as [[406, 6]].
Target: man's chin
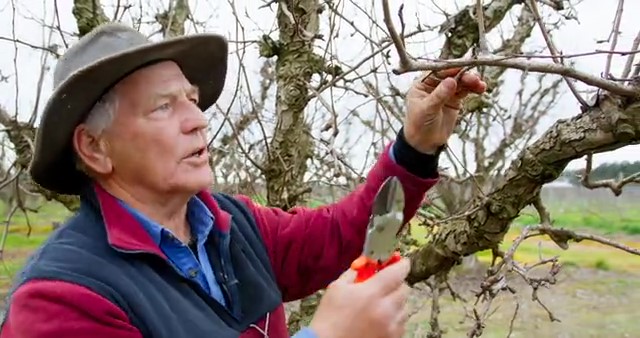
[[200, 181]]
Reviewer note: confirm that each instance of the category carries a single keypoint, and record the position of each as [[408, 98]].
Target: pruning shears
[[387, 217]]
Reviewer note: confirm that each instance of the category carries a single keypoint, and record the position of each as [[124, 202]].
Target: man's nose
[[194, 119]]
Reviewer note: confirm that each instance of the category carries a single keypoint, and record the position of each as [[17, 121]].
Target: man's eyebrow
[[190, 90]]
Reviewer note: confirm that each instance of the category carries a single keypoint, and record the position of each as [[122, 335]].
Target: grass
[[584, 254], [596, 280], [579, 300], [604, 221]]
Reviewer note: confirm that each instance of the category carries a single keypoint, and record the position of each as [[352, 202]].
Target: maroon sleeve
[[49, 308], [310, 247]]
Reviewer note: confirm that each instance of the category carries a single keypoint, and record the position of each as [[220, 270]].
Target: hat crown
[[104, 41]]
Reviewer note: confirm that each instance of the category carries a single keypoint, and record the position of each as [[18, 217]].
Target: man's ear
[[92, 150]]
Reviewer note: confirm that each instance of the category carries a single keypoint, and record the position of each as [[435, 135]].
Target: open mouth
[[198, 153]]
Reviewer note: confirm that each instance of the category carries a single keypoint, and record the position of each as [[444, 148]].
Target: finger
[[433, 78], [390, 278], [473, 83], [443, 93], [449, 119], [347, 277], [448, 72], [400, 322], [398, 297]]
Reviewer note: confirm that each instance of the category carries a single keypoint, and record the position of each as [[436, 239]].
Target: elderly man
[[153, 253]]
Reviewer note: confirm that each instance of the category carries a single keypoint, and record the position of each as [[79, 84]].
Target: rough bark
[[291, 146], [172, 20], [461, 29], [88, 14], [609, 125]]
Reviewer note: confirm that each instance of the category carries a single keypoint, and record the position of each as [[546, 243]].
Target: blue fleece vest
[[158, 301]]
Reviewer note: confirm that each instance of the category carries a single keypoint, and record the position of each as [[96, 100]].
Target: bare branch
[[562, 237], [614, 185], [615, 33], [553, 50], [408, 65], [538, 164], [483, 48], [627, 66]]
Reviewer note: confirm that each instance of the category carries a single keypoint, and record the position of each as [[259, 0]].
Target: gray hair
[[99, 118], [102, 113]]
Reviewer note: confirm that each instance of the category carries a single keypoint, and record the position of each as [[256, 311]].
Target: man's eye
[[195, 101], [162, 107]]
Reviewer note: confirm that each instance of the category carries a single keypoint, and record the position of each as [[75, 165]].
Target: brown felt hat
[[91, 67]]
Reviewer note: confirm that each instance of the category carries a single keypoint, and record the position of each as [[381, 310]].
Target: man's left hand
[[433, 104]]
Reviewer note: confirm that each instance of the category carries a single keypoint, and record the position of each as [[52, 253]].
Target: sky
[[595, 19]]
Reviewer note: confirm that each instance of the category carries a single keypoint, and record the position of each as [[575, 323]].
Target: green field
[[596, 279]]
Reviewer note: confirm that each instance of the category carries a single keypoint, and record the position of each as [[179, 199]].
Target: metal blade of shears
[[386, 220]]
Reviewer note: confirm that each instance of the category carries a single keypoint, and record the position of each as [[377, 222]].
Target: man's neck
[[168, 211]]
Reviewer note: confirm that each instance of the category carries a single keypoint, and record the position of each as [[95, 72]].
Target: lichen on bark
[[291, 146], [88, 14]]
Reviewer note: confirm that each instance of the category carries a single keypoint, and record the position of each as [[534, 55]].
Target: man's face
[[157, 138]]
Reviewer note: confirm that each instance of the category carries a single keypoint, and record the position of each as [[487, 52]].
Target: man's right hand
[[375, 308]]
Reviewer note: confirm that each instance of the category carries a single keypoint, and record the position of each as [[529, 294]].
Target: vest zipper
[[229, 280]]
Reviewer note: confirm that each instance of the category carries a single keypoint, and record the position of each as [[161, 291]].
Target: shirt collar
[[199, 217]]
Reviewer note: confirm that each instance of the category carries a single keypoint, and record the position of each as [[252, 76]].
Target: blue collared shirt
[[192, 266]]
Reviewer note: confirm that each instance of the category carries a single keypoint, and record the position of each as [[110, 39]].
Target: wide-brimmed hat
[[95, 63]]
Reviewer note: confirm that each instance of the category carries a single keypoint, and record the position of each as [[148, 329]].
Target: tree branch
[[614, 185], [608, 126], [409, 65]]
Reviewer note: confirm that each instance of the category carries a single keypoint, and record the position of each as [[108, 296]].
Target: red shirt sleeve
[[49, 308], [310, 247]]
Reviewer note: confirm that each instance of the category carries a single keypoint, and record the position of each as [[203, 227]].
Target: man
[[152, 253]]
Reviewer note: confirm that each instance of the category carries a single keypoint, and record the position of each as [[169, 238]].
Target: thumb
[[444, 92]]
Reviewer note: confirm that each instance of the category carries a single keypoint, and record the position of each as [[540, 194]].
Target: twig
[[483, 48], [531, 66], [397, 41], [513, 319], [615, 32], [552, 49], [545, 217], [627, 66], [434, 323], [562, 236], [614, 185]]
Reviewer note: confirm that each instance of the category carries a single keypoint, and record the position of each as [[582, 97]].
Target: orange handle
[[366, 267]]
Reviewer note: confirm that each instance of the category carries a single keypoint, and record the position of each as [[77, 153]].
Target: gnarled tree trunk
[[291, 146]]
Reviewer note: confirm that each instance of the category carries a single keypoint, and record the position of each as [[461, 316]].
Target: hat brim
[[202, 58]]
